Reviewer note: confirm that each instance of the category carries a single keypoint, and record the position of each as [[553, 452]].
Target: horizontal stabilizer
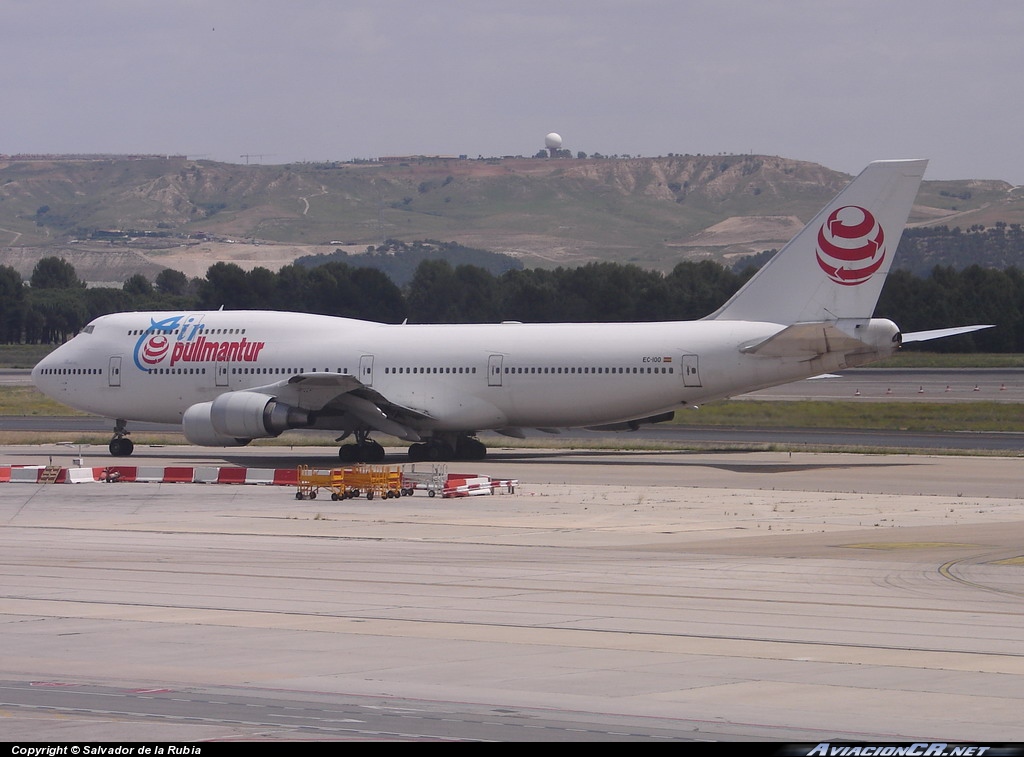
[[924, 336], [807, 340]]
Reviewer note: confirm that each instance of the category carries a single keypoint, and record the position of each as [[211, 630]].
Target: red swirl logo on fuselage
[[851, 245], [154, 349]]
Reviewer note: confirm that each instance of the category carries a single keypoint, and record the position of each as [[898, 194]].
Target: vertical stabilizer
[[835, 267]]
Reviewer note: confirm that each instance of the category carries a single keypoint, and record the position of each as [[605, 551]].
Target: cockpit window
[[88, 329]]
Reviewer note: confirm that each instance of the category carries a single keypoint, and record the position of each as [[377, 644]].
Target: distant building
[[417, 158]]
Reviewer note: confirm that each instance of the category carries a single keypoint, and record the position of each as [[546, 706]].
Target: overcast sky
[[838, 83]]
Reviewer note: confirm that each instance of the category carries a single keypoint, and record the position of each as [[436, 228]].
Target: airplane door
[[221, 374], [366, 369], [690, 375], [494, 370], [114, 371]]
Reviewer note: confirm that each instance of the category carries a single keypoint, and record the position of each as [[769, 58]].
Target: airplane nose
[[45, 372], [39, 372]]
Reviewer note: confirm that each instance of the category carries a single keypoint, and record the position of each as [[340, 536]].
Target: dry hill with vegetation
[[115, 217]]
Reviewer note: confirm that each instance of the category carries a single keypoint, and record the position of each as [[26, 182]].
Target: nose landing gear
[[121, 445]]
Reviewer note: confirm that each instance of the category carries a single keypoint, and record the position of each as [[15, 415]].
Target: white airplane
[[229, 377]]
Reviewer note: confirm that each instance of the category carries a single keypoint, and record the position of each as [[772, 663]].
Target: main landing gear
[[121, 445], [439, 449], [365, 450], [435, 450]]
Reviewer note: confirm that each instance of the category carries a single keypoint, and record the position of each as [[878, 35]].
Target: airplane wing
[[344, 395]]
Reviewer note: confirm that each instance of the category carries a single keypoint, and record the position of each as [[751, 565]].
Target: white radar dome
[[553, 141]]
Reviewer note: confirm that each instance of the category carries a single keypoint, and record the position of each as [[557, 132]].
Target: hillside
[[112, 218]]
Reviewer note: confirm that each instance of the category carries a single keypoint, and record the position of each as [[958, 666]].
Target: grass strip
[[902, 416]]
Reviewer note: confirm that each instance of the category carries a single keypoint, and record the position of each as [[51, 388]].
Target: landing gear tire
[[368, 452], [469, 448], [438, 450], [121, 447], [426, 451], [372, 452]]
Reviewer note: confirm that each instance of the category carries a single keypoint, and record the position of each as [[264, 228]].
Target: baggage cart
[[310, 480]]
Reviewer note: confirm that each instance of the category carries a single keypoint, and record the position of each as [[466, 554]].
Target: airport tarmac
[[615, 596]]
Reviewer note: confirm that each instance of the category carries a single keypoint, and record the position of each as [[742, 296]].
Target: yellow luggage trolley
[[383, 481], [311, 480]]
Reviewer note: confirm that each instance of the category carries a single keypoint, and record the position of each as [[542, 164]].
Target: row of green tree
[[54, 304], [920, 250], [999, 246], [399, 260]]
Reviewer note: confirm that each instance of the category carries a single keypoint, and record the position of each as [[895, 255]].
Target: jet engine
[[236, 418], [199, 429]]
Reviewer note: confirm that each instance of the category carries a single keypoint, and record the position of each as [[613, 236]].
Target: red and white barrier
[[32, 474], [468, 485], [25, 474], [455, 485]]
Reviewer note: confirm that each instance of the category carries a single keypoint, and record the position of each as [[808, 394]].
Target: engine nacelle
[[199, 430], [236, 418], [253, 415]]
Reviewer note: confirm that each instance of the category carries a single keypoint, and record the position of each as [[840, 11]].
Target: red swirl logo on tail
[[851, 245], [154, 349]]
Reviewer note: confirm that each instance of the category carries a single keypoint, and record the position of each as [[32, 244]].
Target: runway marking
[[895, 545], [946, 571], [680, 644], [1010, 561]]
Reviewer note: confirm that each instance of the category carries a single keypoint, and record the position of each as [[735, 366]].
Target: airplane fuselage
[[461, 377]]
